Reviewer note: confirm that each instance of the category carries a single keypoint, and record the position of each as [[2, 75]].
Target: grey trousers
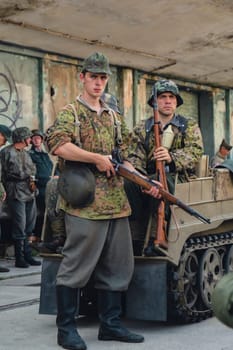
[[102, 248], [23, 218]]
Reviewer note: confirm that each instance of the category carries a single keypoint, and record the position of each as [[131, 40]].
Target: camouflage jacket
[[186, 148], [17, 167], [96, 133]]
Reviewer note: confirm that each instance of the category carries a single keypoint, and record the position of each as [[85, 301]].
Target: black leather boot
[[28, 255], [19, 254], [67, 307], [109, 305]]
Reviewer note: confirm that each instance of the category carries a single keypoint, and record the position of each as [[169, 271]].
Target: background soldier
[[44, 166], [221, 155], [18, 172]]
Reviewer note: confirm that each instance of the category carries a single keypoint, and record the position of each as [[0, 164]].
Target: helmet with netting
[[21, 134]]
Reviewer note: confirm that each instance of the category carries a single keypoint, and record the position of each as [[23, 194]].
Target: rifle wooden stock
[[160, 237], [147, 183]]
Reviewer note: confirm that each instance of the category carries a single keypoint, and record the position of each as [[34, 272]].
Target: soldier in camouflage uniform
[[55, 234], [180, 156], [17, 172], [98, 237]]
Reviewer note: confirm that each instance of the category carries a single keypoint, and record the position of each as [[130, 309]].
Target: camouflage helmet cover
[[96, 63], [111, 101], [20, 134], [164, 85]]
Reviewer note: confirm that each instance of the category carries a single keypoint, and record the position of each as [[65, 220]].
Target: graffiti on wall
[[10, 103]]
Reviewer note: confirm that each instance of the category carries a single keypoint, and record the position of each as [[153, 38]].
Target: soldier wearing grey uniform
[[98, 237], [17, 173]]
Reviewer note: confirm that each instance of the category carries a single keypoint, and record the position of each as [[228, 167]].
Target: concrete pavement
[[22, 327]]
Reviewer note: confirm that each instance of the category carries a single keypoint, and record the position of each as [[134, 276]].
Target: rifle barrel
[[147, 183]]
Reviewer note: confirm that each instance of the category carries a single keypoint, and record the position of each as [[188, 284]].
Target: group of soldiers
[[98, 239], [89, 224], [25, 171]]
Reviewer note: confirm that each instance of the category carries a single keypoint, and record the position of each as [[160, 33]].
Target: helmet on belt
[[222, 300], [76, 184], [37, 132], [96, 63], [20, 134], [111, 101], [164, 85], [5, 131]]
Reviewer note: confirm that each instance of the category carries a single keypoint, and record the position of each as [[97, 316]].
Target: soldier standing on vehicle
[[181, 149], [98, 236], [18, 172], [221, 155]]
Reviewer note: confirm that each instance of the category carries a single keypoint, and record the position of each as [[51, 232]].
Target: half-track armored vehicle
[[176, 285]]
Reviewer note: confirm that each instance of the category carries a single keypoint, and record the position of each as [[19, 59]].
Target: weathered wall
[[19, 90], [34, 86]]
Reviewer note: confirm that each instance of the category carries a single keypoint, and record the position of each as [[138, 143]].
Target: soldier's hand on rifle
[[162, 154], [154, 191], [104, 164]]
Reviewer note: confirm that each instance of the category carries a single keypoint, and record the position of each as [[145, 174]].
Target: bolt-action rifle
[[147, 183], [161, 224]]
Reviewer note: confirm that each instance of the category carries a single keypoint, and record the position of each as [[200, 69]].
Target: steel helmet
[[20, 134], [5, 131], [37, 132], [222, 300], [164, 85], [76, 184], [111, 101]]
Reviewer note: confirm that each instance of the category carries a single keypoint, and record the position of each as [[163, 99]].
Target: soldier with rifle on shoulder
[[180, 150]]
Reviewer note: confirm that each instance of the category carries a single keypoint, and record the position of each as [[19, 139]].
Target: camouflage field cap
[[5, 131], [164, 85], [96, 63], [111, 101], [20, 134]]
